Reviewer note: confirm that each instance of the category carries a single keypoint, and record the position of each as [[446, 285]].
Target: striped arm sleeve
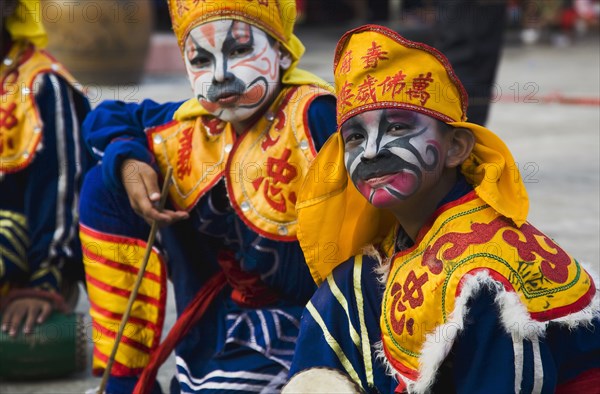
[[53, 183], [340, 327]]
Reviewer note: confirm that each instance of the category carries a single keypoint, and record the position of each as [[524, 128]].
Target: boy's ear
[[285, 59], [461, 145]]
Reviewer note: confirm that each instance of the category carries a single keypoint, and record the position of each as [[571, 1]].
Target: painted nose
[[222, 73], [370, 151]]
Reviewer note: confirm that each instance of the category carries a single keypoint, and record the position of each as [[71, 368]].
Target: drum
[[54, 349], [321, 380]]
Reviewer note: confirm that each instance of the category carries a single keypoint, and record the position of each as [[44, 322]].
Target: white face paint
[[393, 154], [233, 67]]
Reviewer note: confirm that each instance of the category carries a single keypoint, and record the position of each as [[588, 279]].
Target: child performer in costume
[[42, 162], [239, 150], [459, 293]]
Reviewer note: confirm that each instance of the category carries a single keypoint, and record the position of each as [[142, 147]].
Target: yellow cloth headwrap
[[275, 17], [26, 23], [376, 68]]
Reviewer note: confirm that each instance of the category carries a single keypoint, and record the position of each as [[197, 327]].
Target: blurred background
[[544, 92]]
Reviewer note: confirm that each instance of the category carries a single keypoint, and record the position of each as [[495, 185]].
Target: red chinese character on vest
[[184, 167], [279, 171]]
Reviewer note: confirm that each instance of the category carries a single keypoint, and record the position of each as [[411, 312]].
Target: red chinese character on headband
[[345, 65], [182, 8], [344, 96], [279, 171], [419, 85], [366, 90], [394, 83], [374, 55]]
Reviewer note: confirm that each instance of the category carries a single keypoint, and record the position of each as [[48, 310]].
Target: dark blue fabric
[[291, 279], [483, 357], [314, 351], [115, 131], [321, 119], [576, 350], [108, 212], [34, 191], [125, 385]]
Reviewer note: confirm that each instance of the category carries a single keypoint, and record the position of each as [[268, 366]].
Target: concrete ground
[[556, 146]]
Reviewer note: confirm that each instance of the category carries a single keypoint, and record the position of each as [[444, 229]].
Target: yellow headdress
[[26, 23], [275, 17], [375, 68]]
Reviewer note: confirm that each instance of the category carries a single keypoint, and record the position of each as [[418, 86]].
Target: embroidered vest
[[263, 168], [467, 237], [20, 123]]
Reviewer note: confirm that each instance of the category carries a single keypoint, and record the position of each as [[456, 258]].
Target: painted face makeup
[[233, 68], [392, 154]]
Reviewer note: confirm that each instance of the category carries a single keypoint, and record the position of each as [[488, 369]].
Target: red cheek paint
[[405, 183], [198, 74], [377, 190], [254, 95]]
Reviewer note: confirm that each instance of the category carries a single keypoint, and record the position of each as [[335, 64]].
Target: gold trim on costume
[[333, 344], [21, 127], [366, 345]]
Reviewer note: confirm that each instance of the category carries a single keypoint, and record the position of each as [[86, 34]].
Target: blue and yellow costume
[[240, 191], [42, 162], [481, 301]]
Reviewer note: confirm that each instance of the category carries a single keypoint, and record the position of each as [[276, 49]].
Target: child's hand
[[33, 310], [141, 184]]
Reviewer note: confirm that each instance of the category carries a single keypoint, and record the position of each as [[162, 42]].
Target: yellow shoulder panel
[[20, 124], [467, 238], [197, 153]]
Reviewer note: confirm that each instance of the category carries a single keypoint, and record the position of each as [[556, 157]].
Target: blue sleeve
[[574, 350], [322, 121], [115, 131], [483, 355], [52, 186], [339, 328], [488, 359]]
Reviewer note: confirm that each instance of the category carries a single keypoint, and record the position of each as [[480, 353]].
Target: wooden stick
[[138, 282]]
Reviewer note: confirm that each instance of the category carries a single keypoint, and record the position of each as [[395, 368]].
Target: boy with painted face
[[431, 279], [239, 150]]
